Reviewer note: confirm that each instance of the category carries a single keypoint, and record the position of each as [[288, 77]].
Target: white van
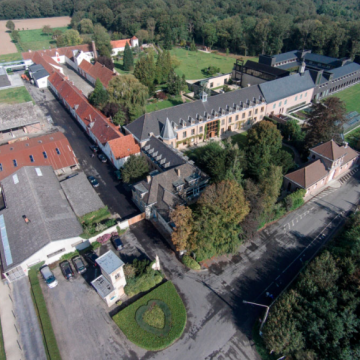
[[48, 276]]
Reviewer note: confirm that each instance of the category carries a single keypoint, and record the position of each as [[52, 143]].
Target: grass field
[[239, 139], [163, 104], [10, 57], [14, 96], [52, 350], [126, 320], [193, 61], [351, 97], [353, 138], [2, 349], [36, 40]]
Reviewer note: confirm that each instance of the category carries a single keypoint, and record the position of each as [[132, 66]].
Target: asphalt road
[[112, 192]]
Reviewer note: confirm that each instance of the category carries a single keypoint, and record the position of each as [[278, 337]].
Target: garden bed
[[165, 298]]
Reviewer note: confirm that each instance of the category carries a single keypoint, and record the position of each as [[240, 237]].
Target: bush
[[190, 262], [109, 223], [103, 238], [126, 319], [161, 95], [295, 200]]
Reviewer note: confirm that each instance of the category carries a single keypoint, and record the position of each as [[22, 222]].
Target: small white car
[[48, 276]]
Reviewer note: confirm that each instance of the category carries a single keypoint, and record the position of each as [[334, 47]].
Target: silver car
[[48, 276]]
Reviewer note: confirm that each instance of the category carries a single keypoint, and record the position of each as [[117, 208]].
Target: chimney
[[148, 179], [94, 49], [90, 117], [178, 172]]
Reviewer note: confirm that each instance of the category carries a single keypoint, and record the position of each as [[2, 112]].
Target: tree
[[292, 131], [219, 211], [181, 237], [128, 91], [135, 169], [193, 46], [142, 35], [128, 58], [15, 35], [102, 40], [69, 38], [56, 33], [209, 33], [47, 30], [86, 26], [174, 83], [167, 37], [99, 96], [10, 25], [325, 122], [104, 60], [145, 71]]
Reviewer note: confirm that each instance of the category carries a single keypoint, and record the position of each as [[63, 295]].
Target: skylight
[[31, 158]]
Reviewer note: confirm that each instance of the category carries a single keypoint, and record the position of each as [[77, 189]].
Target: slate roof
[[267, 69], [344, 70], [168, 131], [286, 56], [35, 67], [19, 115], [308, 175], [168, 154], [81, 195], [40, 74], [287, 86], [36, 146], [155, 121], [43, 202], [322, 59]]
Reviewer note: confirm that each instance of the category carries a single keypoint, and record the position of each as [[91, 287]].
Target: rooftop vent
[[15, 179], [38, 172]]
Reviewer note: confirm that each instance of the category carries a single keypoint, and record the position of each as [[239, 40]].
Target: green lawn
[[10, 57], [36, 40], [51, 347], [239, 139], [14, 96], [2, 349], [193, 61], [163, 104], [353, 138], [126, 319], [351, 98]]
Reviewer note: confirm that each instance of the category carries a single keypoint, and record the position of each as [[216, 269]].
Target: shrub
[[103, 238], [190, 262], [110, 223], [295, 200], [161, 95], [100, 227]]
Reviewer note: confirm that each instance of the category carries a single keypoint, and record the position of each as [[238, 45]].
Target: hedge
[[126, 319], [190, 262], [51, 347]]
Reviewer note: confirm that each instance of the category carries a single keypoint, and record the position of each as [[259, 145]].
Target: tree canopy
[[135, 169]]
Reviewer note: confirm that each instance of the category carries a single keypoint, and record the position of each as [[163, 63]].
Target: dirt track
[[7, 47]]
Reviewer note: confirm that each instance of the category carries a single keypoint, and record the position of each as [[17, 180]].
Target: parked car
[[118, 174], [116, 241], [93, 181], [94, 148], [90, 257], [48, 276], [78, 264], [102, 158], [66, 270]]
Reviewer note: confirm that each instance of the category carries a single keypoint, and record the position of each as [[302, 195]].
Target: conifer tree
[[128, 58], [99, 96]]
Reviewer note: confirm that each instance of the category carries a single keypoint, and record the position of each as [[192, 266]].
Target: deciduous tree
[[135, 169], [104, 60], [10, 25], [182, 237], [86, 26], [102, 40], [69, 38], [47, 30]]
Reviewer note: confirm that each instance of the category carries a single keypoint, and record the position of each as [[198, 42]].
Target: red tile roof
[[124, 146], [98, 71], [309, 174], [21, 151], [46, 61], [61, 51], [120, 43]]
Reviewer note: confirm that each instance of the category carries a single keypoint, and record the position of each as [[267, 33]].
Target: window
[[57, 151], [274, 106], [255, 118], [45, 154], [280, 103], [249, 113], [230, 119], [223, 122], [296, 98], [184, 134], [192, 131], [236, 117], [201, 129], [31, 158], [177, 137], [55, 253], [117, 276], [256, 111], [300, 96], [1, 167], [15, 163], [211, 85], [305, 94], [285, 102], [243, 115], [262, 109]]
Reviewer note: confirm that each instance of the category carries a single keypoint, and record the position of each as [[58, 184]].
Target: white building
[[119, 45]]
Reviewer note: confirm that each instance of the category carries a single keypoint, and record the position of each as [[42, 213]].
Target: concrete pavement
[[12, 342]]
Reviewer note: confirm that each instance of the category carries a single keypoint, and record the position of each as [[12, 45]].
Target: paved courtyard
[[79, 82]]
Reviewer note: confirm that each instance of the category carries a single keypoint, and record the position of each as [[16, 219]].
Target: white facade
[[42, 83], [133, 43]]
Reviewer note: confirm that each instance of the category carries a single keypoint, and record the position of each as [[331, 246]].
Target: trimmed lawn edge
[[127, 323], [49, 339], [2, 348]]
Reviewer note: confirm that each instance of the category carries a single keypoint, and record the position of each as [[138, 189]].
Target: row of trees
[[318, 318], [330, 27]]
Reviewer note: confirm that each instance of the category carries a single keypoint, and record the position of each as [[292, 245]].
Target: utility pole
[[266, 314]]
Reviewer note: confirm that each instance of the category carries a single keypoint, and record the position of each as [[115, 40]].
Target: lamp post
[[266, 314]]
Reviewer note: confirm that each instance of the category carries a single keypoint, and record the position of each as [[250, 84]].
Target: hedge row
[[49, 339], [190, 262]]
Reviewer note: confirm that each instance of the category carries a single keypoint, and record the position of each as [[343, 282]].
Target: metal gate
[[15, 274]]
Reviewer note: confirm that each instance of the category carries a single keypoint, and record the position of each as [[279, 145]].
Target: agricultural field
[[15, 95], [351, 98], [36, 40], [10, 57]]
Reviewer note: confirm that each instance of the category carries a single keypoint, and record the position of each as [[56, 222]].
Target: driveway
[[82, 325], [112, 192]]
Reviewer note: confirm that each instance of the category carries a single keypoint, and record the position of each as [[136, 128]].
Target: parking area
[[81, 321]]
